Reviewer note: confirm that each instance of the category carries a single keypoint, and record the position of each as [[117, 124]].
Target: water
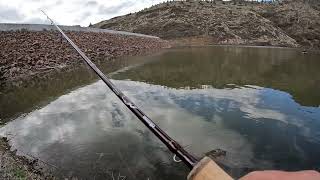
[[260, 105]]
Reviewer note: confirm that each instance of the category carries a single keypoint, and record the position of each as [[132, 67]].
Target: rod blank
[[172, 145]]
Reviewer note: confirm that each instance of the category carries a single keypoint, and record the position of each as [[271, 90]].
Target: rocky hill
[[290, 23]]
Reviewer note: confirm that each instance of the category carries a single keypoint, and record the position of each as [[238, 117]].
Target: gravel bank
[[13, 167], [25, 53]]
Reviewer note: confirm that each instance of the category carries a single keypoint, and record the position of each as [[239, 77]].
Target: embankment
[[29, 50]]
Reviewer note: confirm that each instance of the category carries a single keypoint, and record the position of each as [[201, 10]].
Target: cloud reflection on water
[[71, 130]]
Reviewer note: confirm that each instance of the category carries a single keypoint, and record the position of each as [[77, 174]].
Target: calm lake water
[[260, 105]]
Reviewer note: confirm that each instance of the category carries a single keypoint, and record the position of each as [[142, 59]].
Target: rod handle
[[207, 169]]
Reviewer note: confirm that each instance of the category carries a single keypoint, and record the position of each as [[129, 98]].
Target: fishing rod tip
[[47, 16]]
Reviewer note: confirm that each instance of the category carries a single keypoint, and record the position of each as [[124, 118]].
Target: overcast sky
[[68, 12]]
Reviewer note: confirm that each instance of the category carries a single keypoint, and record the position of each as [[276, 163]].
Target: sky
[[68, 12]]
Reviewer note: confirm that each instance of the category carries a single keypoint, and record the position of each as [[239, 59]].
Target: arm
[[282, 175], [207, 169]]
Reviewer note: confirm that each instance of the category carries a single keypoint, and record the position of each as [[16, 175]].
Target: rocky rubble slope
[[26, 53], [225, 23]]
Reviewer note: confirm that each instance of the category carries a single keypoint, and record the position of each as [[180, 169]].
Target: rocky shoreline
[[18, 167], [24, 54]]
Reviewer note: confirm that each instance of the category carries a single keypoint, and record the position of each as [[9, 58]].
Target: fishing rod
[[174, 146], [206, 169]]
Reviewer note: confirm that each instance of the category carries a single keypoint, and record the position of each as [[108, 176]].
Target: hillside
[[289, 24]]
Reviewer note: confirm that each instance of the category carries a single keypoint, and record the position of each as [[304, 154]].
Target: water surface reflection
[[89, 132], [258, 104]]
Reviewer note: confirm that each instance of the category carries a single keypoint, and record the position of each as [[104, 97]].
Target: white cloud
[[71, 12]]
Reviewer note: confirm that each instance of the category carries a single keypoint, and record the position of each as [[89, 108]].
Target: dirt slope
[[289, 24]]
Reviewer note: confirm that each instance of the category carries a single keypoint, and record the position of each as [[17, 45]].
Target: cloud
[[73, 12], [91, 3], [116, 8], [9, 14], [83, 16], [35, 21]]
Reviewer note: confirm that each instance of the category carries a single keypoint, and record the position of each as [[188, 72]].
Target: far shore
[[253, 46], [29, 53]]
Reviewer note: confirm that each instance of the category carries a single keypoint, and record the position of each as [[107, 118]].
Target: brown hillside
[[289, 24]]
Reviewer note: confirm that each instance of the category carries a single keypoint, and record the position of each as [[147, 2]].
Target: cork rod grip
[[207, 169]]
